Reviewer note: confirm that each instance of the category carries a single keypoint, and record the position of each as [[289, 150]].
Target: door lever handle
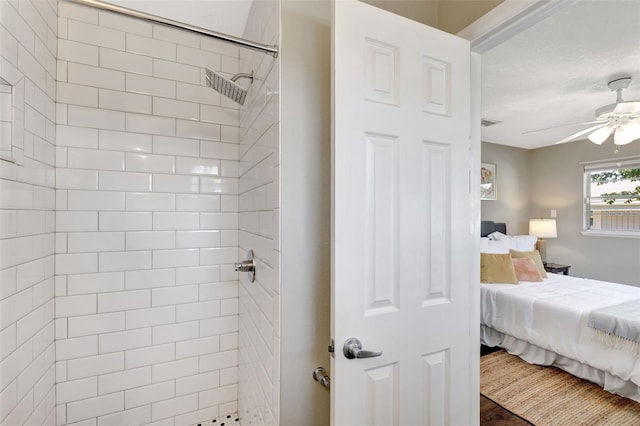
[[353, 349]]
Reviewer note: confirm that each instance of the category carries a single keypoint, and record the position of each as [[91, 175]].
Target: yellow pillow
[[535, 255], [497, 268]]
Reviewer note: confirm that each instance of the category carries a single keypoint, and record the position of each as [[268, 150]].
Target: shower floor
[[226, 420]]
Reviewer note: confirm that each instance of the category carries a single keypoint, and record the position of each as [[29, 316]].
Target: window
[[612, 198]]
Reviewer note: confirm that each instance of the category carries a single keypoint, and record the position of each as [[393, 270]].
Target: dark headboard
[[488, 226]]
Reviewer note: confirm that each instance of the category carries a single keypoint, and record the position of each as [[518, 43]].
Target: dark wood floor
[[491, 414]]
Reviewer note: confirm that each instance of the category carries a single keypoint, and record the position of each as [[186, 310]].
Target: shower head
[[226, 87]]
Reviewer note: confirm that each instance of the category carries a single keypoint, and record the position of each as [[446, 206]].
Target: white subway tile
[[197, 130], [76, 137], [220, 360], [8, 224], [94, 407], [95, 324], [87, 75], [124, 300], [78, 12], [213, 45], [150, 317], [150, 163], [228, 376], [76, 389], [176, 146], [163, 32], [197, 383], [125, 221], [196, 239], [219, 185], [148, 394], [76, 221], [124, 181], [7, 341], [94, 159], [174, 295], [218, 256], [79, 242], [76, 348], [219, 221], [124, 261], [96, 118], [124, 340], [195, 347], [146, 240], [149, 202], [221, 325], [123, 380], [198, 311], [81, 263], [123, 61], [124, 23], [150, 124], [229, 307], [16, 362], [174, 369], [176, 258], [229, 169], [151, 47], [172, 221], [135, 416], [199, 58], [151, 85], [197, 275], [221, 150], [149, 356], [174, 406], [95, 200], [96, 35], [221, 290], [197, 203], [75, 305], [95, 283], [197, 93], [175, 71], [15, 195], [77, 52], [175, 183], [220, 115], [218, 396], [149, 279], [122, 141], [123, 101], [199, 166], [31, 223], [8, 283], [94, 365], [76, 95], [76, 179], [178, 109], [29, 325]]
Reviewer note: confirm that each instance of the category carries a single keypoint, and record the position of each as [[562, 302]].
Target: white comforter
[[553, 315]]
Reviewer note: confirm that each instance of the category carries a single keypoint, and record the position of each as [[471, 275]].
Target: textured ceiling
[[556, 72]]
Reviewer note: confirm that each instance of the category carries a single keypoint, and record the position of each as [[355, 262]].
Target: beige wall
[[425, 11], [512, 179], [556, 183]]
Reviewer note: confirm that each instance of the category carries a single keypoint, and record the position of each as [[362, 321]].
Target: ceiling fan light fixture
[[627, 134], [599, 136]]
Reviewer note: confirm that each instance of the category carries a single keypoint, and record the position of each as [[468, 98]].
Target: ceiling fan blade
[[580, 133], [627, 107], [562, 125]]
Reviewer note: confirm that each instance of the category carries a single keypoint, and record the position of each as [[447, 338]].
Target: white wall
[[27, 217], [146, 200], [260, 224]]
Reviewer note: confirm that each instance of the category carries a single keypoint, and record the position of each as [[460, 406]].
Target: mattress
[[552, 315]]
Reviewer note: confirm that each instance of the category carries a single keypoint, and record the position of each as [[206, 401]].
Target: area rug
[[547, 396]]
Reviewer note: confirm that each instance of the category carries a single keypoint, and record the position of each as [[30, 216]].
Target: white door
[[402, 222]]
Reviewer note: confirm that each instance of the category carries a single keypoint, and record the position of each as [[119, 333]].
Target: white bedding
[[552, 315]]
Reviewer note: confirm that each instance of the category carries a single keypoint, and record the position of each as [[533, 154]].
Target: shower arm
[[98, 4], [242, 75]]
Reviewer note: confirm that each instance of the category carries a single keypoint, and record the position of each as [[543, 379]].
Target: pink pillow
[[526, 269]]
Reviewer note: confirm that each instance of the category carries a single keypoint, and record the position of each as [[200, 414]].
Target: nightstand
[[556, 268]]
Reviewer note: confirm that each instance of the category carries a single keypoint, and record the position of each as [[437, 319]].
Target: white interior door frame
[[508, 19]]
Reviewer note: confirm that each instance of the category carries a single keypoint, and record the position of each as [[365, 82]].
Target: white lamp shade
[[600, 135], [543, 228]]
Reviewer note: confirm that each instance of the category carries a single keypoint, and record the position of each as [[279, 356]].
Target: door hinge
[[331, 349]]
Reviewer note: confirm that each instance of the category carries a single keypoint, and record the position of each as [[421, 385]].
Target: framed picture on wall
[[488, 182]]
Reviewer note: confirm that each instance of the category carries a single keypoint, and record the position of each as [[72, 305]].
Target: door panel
[[401, 228]]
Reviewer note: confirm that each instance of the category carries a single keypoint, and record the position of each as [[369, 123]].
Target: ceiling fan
[[621, 118]]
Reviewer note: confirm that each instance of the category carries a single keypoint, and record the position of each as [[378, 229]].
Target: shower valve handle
[[248, 265]]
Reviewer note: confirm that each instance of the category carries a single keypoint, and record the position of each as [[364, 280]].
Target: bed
[[585, 327]]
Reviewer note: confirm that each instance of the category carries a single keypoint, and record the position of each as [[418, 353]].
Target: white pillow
[[494, 246], [497, 235], [523, 242]]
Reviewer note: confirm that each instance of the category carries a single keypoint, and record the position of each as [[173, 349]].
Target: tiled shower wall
[[259, 400], [147, 224], [27, 216]]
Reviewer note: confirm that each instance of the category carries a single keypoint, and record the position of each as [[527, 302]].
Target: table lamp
[[543, 228]]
